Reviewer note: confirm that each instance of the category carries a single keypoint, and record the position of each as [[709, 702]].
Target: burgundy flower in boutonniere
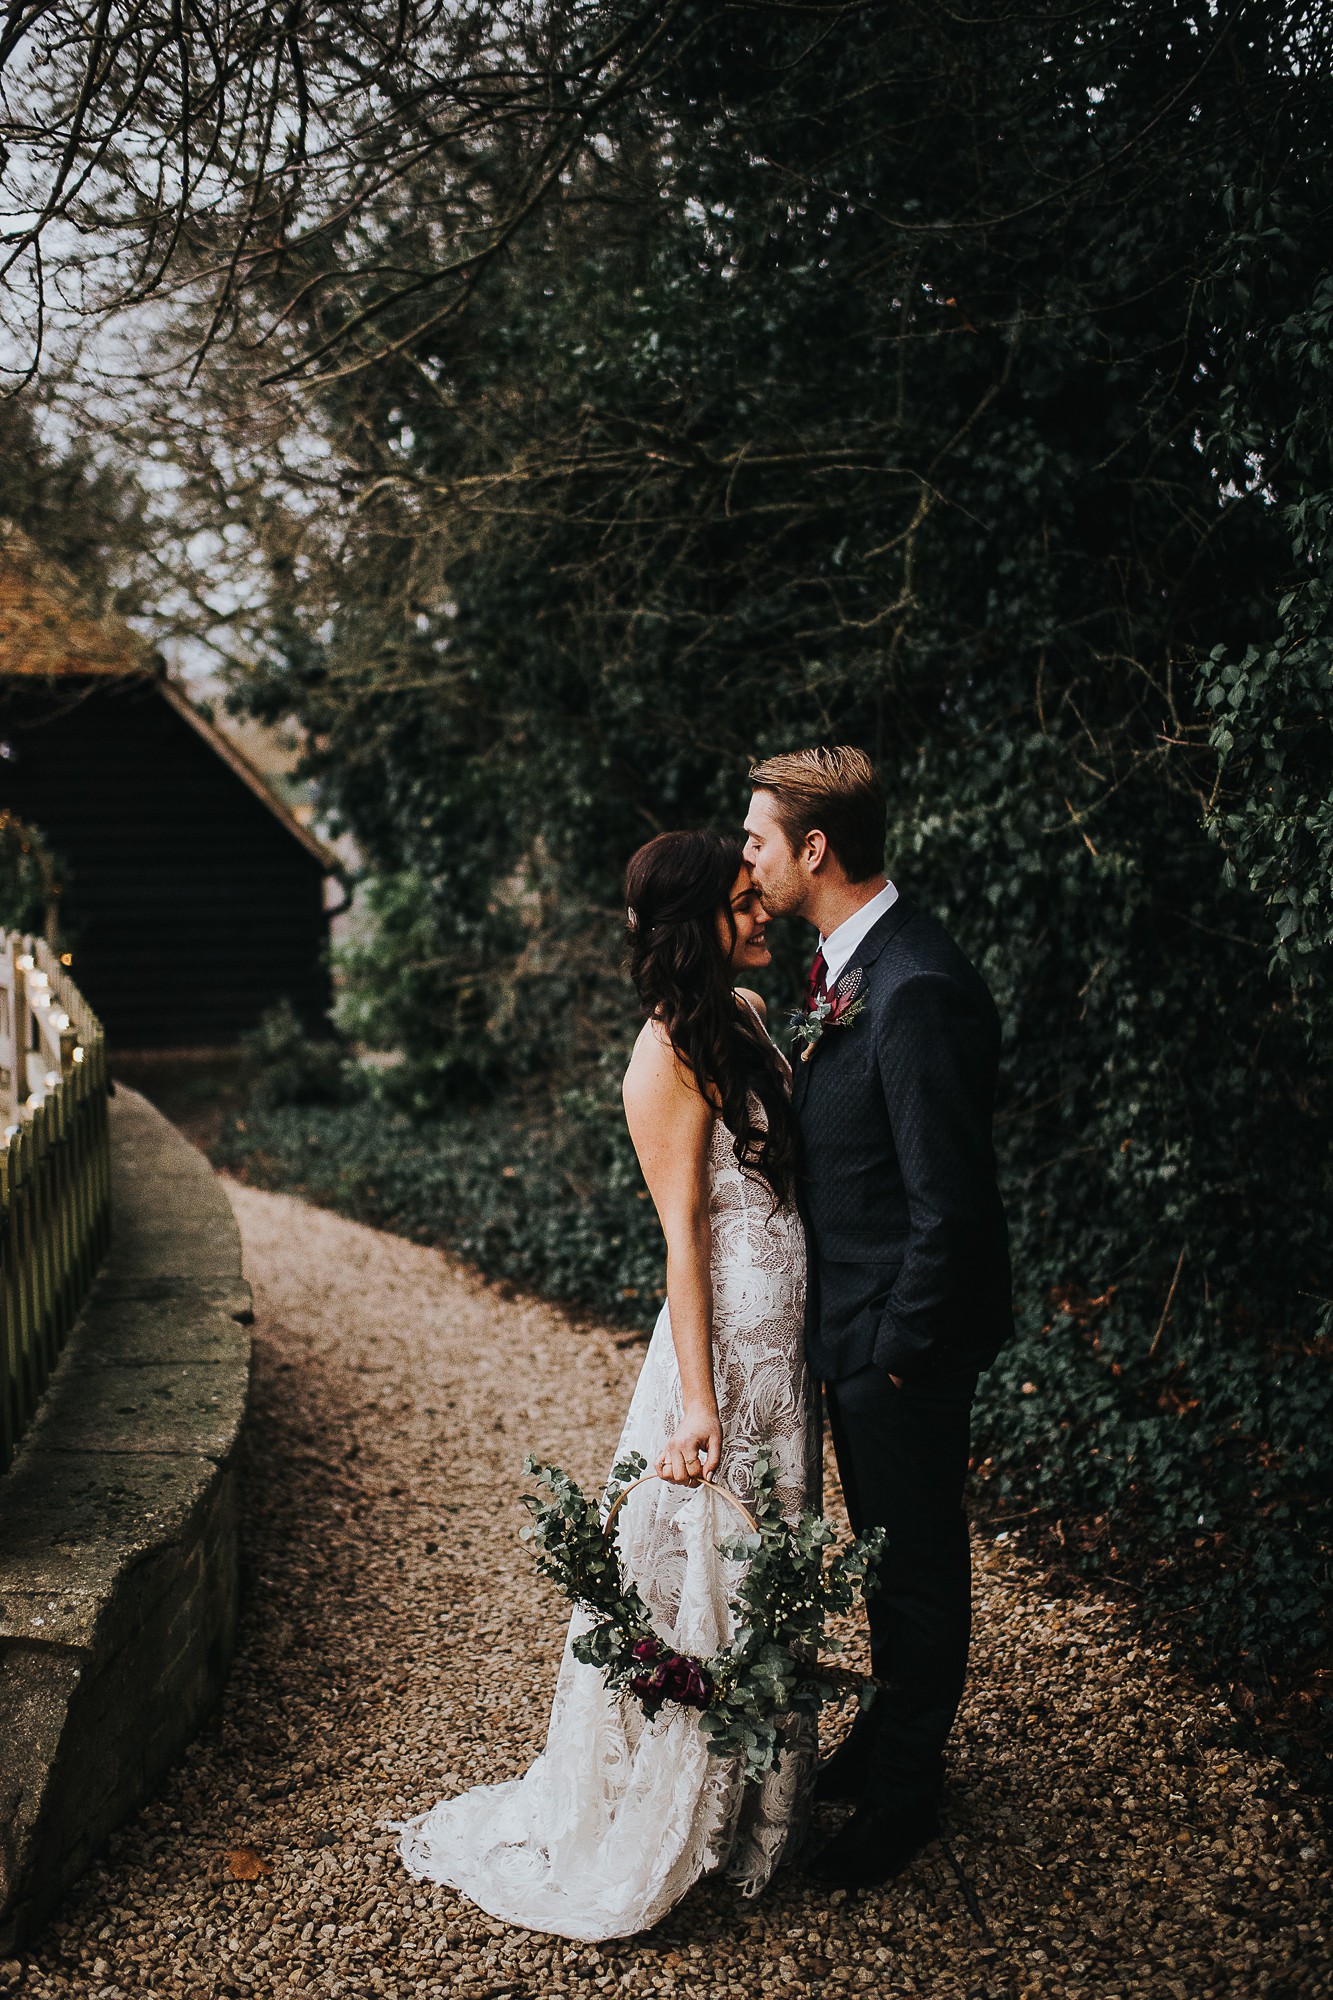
[[835, 1009]]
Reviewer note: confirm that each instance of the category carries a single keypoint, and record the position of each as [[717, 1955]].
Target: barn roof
[[49, 630], [47, 625]]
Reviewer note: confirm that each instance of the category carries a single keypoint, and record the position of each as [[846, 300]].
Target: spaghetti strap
[[750, 1008], [762, 1026]]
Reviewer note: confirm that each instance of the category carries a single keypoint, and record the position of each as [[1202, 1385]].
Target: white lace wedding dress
[[619, 1816]]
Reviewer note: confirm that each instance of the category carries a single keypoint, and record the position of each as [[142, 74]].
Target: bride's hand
[[693, 1450]]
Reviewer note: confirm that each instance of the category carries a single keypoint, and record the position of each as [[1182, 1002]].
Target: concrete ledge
[[118, 1524]]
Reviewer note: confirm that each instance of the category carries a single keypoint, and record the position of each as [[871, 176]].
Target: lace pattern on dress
[[619, 1816]]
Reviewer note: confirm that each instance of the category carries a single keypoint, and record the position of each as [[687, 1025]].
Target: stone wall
[[118, 1524]]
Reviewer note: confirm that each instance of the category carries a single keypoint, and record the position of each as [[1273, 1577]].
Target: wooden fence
[[55, 1173]]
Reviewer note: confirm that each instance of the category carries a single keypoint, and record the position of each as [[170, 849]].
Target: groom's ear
[[814, 850]]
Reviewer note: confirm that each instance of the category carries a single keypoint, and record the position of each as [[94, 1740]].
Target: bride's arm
[[670, 1124]]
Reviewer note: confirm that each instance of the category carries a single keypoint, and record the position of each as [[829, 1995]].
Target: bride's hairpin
[[631, 916]]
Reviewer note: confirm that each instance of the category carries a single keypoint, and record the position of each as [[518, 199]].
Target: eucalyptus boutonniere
[[835, 1009]]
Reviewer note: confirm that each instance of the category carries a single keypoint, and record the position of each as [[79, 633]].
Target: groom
[[909, 1294]]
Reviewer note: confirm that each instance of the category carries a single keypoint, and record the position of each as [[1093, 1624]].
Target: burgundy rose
[[672, 1677]]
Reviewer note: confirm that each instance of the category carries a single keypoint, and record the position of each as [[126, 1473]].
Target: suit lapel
[[800, 1077]]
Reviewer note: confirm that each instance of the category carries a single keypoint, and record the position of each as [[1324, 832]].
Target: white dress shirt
[[839, 945]]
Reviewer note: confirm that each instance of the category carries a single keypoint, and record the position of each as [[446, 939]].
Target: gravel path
[[396, 1645]]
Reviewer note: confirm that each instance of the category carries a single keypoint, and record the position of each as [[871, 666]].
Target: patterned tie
[[817, 986]]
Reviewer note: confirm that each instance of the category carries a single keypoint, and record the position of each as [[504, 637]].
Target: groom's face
[[777, 874]]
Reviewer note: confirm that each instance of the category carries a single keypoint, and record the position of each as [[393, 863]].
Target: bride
[[620, 1816]]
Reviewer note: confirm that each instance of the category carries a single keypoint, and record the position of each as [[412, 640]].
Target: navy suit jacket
[[909, 1252]]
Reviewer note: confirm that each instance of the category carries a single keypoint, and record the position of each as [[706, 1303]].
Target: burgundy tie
[[817, 988]]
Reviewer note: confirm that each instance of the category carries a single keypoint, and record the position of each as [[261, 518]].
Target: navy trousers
[[903, 1458]]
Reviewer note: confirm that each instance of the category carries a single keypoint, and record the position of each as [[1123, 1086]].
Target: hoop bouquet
[[788, 1586]]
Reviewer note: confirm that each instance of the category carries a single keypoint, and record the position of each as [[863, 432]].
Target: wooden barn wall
[[188, 905]]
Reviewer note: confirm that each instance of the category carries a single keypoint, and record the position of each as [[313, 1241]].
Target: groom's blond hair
[[835, 789]]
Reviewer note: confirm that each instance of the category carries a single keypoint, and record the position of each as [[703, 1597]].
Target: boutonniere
[[836, 1009]]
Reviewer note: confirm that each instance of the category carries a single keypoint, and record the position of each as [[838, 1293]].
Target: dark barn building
[[192, 898]]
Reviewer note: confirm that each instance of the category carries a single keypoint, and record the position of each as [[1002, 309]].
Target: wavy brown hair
[[676, 888]]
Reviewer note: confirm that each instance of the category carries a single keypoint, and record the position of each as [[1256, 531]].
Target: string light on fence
[[25, 961], [52, 1079], [77, 1052]]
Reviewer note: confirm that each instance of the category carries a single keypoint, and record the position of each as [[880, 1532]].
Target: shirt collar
[[839, 945]]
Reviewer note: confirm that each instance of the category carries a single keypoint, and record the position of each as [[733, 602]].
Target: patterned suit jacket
[[909, 1252]]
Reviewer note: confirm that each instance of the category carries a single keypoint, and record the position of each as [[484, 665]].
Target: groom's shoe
[[875, 1845]]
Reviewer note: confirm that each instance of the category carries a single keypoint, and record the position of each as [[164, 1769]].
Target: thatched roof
[[48, 626]]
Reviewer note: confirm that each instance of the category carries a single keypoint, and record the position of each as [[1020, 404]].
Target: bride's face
[[749, 952]]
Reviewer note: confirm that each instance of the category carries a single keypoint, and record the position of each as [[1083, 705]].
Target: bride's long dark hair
[[676, 887]]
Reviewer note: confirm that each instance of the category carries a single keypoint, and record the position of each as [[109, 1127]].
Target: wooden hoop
[[720, 1491], [845, 1678]]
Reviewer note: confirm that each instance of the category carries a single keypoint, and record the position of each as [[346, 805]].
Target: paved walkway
[[396, 1645]]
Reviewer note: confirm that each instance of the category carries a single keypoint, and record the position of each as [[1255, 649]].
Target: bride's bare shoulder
[[653, 1058], [658, 1075]]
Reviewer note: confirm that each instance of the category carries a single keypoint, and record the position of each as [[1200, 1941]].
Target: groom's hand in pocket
[[693, 1450]]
